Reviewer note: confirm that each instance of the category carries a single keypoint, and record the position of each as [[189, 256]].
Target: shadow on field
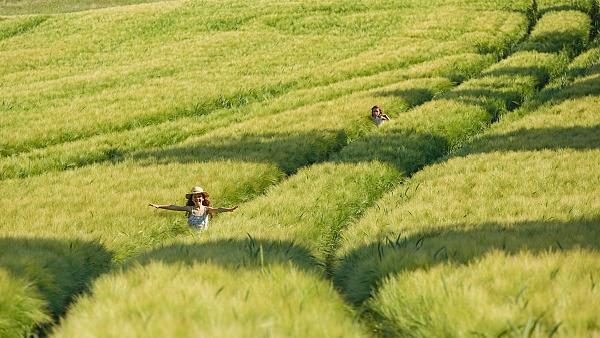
[[502, 89], [60, 269], [233, 254], [508, 84], [540, 74], [559, 8], [413, 97], [571, 41], [578, 138], [361, 270], [287, 151], [579, 89], [22, 26], [407, 150], [494, 101], [586, 70]]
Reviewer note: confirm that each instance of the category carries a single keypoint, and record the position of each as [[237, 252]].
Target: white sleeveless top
[[378, 120], [198, 222]]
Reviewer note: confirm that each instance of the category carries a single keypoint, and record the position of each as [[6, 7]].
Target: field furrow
[[494, 231]]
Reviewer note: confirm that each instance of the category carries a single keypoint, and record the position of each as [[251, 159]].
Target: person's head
[[375, 111], [197, 197]]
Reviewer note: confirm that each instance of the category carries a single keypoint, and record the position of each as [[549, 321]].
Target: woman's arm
[[170, 207], [219, 210]]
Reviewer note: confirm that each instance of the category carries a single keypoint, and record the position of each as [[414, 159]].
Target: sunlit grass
[[16, 26], [277, 244], [313, 229], [545, 6], [424, 134], [429, 131], [312, 207], [261, 261], [43, 241], [287, 221], [302, 136], [259, 96], [48, 273], [113, 146], [581, 79], [275, 300], [101, 203], [21, 306], [545, 196], [555, 31], [495, 229], [77, 84], [532, 302]]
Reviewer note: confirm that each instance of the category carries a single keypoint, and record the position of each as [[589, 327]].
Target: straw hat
[[195, 190]]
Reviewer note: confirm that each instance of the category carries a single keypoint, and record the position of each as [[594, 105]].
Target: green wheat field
[[474, 212]]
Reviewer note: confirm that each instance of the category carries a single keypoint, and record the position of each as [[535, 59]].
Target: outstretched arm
[[169, 207], [219, 210]]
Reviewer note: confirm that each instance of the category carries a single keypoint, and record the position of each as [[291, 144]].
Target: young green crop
[[288, 199], [531, 302], [546, 6], [557, 31], [16, 26], [523, 197], [101, 203], [280, 141], [113, 146], [580, 80], [197, 295], [78, 84], [302, 136], [50, 219], [263, 261], [429, 131], [471, 105], [529, 205], [40, 277], [21, 306], [287, 214]]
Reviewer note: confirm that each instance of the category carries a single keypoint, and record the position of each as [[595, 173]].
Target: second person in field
[[378, 116]]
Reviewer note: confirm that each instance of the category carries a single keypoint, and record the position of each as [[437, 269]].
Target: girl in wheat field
[[197, 209], [378, 116]]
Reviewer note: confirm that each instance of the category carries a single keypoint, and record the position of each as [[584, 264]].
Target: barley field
[[474, 211]]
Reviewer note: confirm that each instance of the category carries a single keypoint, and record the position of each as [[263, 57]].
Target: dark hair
[[376, 107], [205, 201]]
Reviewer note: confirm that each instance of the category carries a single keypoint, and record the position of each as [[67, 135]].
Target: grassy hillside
[[479, 194]]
